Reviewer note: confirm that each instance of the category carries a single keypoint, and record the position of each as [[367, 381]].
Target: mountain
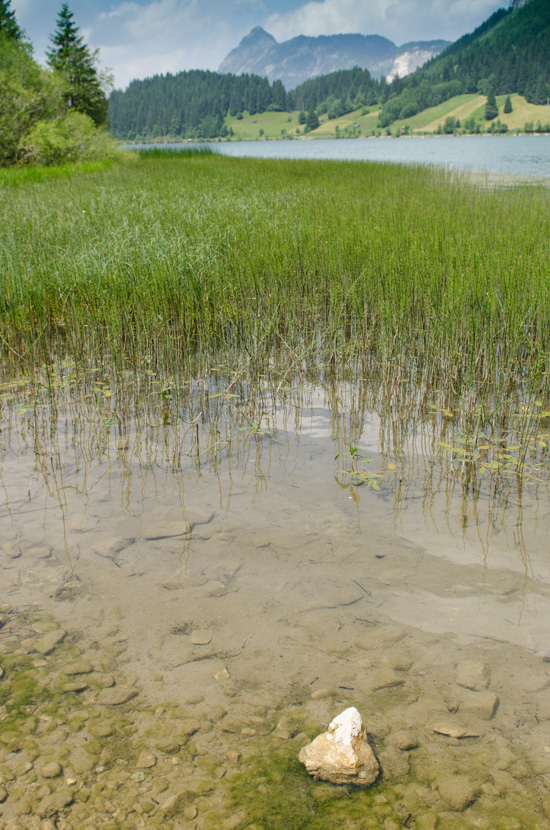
[[297, 60], [507, 53]]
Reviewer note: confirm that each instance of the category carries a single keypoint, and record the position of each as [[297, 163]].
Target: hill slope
[[297, 60], [506, 54]]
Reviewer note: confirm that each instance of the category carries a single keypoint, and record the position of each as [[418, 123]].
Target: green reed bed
[[410, 266]]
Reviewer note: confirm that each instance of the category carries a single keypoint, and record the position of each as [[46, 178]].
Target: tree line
[[53, 114]]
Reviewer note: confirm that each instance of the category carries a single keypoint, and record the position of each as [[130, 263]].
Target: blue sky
[[139, 38]]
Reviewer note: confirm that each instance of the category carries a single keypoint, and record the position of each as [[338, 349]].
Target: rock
[[322, 694], [458, 791], [51, 770], [175, 804], [454, 730], [52, 804], [201, 638], [79, 667], [3, 794], [342, 755], [49, 641], [386, 679], [116, 696], [480, 704], [403, 741], [146, 760], [473, 675]]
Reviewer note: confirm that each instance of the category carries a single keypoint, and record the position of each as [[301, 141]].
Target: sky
[[141, 38]]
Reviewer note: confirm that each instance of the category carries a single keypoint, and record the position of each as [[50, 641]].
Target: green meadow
[[364, 122], [407, 268]]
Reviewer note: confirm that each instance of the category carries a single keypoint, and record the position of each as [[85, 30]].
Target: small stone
[[200, 638], [221, 675], [3, 794], [342, 754], [79, 667], [189, 727], [51, 770], [458, 791], [386, 680], [452, 730], [122, 443], [322, 694], [403, 741], [190, 812], [175, 804], [50, 640], [473, 675], [481, 704], [146, 760], [233, 755], [116, 696], [70, 782], [52, 804], [12, 550], [169, 747]]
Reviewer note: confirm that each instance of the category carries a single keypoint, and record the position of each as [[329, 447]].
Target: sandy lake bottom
[[183, 624]]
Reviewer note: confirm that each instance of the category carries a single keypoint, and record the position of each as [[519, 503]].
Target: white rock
[[342, 754]]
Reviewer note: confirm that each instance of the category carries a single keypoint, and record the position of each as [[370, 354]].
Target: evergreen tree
[[508, 104], [74, 61], [491, 109], [8, 23], [312, 121]]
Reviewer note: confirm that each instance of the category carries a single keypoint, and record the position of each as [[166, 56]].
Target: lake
[[208, 551], [523, 156]]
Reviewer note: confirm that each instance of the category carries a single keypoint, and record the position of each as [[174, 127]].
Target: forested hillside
[[508, 53], [190, 104]]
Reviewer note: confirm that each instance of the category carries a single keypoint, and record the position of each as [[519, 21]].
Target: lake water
[[523, 156], [245, 573]]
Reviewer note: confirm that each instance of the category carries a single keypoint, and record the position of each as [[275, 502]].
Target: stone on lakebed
[[342, 754]]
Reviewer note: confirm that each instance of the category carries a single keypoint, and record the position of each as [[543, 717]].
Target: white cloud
[[400, 20]]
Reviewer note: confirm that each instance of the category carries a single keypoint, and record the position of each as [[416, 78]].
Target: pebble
[[455, 731], [321, 694], [386, 680], [472, 674], [51, 770], [79, 667], [458, 791], [3, 794], [49, 641], [146, 760], [480, 704], [200, 638], [116, 696]]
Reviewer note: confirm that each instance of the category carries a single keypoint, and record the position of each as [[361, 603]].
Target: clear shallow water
[[518, 156]]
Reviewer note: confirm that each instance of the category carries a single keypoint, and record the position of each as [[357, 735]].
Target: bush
[[72, 138]]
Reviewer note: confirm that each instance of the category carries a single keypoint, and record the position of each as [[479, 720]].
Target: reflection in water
[[289, 531]]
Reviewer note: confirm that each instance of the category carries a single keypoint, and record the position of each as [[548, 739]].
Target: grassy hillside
[[277, 125]]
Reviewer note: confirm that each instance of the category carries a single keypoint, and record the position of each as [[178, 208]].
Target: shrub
[[72, 138]]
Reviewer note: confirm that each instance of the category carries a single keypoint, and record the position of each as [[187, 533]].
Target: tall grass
[[410, 269]]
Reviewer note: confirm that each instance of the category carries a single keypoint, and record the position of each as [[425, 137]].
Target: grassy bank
[[402, 266]]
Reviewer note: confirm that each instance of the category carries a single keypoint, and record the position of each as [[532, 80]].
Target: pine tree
[[491, 108], [508, 104], [74, 61], [8, 23]]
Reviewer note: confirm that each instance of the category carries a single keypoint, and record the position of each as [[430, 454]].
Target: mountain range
[[301, 58]]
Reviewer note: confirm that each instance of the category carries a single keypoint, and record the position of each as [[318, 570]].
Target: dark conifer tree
[[8, 23], [74, 61]]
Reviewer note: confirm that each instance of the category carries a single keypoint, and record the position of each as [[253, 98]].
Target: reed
[[413, 270]]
